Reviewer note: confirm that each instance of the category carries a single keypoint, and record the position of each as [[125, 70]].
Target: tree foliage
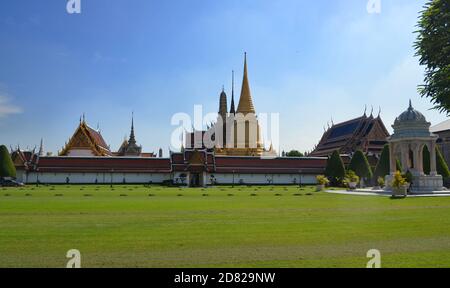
[[335, 170], [7, 168], [433, 48], [360, 165], [441, 165], [383, 167], [294, 153]]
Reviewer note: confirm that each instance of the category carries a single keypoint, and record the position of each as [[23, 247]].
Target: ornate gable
[[86, 141]]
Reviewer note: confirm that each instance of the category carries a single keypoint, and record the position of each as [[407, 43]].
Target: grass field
[[137, 226]]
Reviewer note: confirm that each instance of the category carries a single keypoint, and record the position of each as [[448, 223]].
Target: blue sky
[[310, 61]]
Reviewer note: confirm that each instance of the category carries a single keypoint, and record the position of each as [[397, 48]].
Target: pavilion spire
[[246, 102]]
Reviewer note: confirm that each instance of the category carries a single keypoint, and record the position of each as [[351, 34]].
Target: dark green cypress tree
[[360, 165], [441, 165], [7, 168], [383, 167], [335, 170]]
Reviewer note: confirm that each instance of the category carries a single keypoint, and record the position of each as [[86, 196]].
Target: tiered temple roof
[[86, 141], [368, 134]]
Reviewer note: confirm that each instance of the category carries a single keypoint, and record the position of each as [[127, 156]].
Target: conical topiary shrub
[[335, 170], [360, 165], [383, 167], [7, 168]]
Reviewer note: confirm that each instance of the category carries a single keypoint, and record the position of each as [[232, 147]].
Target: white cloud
[[6, 107]]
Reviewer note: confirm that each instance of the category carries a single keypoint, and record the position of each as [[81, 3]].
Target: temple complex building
[[89, 142], [366, 133], [236, 132], [86, 141], [130, 147], [194, 168], [443, 131], [235, 156]]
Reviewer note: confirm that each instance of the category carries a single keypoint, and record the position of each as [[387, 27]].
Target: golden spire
[[246, 103]]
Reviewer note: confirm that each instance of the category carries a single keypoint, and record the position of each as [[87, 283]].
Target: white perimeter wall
[[273, 179], [257, 179], [144, 178], [90, 178]]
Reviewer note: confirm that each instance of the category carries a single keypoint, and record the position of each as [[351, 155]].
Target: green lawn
[[137, 226]]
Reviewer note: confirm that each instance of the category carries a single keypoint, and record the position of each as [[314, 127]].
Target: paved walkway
[[371, 192]]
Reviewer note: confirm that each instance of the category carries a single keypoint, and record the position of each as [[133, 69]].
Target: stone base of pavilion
[[388, 193]]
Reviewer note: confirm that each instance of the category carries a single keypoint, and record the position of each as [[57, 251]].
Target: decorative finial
[[233, 107], [365, 110], [132, 136], [410, 104], [246, 102], [84, 117], [379, 112], [371, 112], [41, 147]]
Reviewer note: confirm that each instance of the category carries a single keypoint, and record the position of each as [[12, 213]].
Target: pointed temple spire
[[223, 108], [132, 137], [41, 148], [410, 105], [233, 108], [246, 103]]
